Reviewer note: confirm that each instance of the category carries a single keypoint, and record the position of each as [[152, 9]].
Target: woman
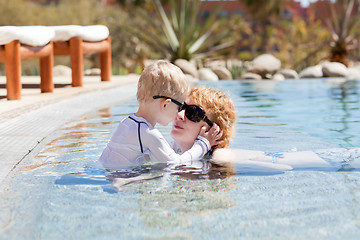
[[205, 106]]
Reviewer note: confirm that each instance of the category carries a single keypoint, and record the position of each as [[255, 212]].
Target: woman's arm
[[246, 161], [303, 159]]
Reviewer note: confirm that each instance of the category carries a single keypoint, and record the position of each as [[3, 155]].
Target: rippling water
[[64, 193], [287, 112]]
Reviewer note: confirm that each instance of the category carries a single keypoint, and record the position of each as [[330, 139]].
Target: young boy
[[162, 89]]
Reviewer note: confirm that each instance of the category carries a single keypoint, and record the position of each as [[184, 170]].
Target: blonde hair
[[164, 79], [219, 108]]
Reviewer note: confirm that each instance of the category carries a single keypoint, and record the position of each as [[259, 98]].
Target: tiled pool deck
[[25, 123]]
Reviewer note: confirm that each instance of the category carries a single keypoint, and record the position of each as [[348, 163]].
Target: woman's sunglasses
[[192, 112]]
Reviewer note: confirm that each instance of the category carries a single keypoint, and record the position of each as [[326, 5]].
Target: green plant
[[183, 34], [236, 71], [301, 43], [261, 13], [342, 25]]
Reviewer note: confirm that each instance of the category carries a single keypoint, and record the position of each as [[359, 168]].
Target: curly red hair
[[219, 108]]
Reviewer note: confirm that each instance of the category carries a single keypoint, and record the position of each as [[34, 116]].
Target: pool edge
[[22, 135]]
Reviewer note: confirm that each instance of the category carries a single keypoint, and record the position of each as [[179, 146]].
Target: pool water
[[64, 193]]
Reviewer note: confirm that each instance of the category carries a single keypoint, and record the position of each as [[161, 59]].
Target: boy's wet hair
[[164, 79]]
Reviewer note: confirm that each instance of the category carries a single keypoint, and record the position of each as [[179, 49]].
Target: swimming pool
[[63, 193]]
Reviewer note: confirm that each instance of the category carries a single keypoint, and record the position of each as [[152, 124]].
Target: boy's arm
[[162, 152]]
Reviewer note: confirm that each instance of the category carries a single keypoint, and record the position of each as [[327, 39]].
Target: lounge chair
[[75, 40], [25, 42]]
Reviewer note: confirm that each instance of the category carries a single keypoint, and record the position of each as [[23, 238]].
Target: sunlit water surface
[[64, 193]]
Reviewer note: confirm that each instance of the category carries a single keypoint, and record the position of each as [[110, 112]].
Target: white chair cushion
[[29, 35], [92, 33]]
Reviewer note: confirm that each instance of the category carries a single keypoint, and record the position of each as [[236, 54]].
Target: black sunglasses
[[192, 112], [195, 113], [173, 100]]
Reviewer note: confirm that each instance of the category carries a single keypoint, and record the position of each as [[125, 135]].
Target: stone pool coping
[[25, 123]]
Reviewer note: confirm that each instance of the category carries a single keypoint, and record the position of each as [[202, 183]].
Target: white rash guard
[[135, 142]]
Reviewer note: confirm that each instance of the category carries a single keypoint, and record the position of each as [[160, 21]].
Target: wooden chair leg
[[46, 72], [76, 56], [13, 70], [105, 63]]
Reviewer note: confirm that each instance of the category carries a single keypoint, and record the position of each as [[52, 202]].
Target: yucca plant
[[342, 26], [183, 33]]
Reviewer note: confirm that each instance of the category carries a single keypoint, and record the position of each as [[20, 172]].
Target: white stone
[[289, 73], [222, 72], [334, 69], [207, 75], [278, 77], [191, 79], [61, 70], [250, 75], [265, 64], [92, 72], [187, 67], [353, 73], [311, 72]]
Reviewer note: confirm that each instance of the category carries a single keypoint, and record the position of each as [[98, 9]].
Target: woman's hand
[[213, 135]]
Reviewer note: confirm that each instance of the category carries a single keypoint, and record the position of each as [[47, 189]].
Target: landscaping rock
[[207, 75], [222, 72], [215, 63], [265, 64], [228, 63], [191, 79], [353, 73], [61, 71], [187, 67], [289, 73], [92, 72], [312, 72], [334, 69], [250, 75], [278, 77]]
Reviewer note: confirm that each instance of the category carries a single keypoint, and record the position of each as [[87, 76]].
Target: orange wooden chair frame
[[12, 53], [76, 48]]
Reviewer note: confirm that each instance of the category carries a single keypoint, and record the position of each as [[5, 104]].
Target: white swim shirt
[[136, 141]]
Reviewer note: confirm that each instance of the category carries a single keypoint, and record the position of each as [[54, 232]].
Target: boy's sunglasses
[[192, 112]]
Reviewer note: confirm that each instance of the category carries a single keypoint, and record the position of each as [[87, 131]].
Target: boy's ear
[[164, 103]]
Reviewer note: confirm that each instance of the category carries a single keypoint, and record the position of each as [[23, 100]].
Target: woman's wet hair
[[219, 108]]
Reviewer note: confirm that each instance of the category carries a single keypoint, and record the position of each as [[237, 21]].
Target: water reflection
[[75, 138], [202, 169], [106, 116], [84, 178], [327, 108], [35, 166], [261, 93], [345, 93], [170, 201], [65, 188], [343, 89]]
